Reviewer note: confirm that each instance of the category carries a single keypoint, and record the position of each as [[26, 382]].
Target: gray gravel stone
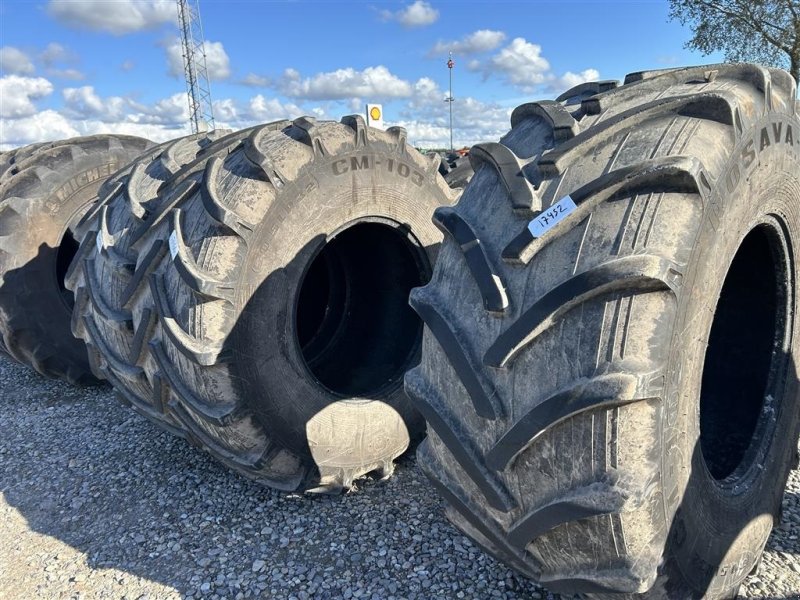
[[95, 502]]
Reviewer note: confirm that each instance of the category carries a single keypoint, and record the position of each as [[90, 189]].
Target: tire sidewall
[[329, 196], [715, 539], [32, 270]]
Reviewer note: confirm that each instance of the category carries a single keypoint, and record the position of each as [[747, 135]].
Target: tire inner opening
[[356, 330], [65, 252], [745, 334]]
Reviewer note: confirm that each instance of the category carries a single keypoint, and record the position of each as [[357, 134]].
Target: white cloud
[[70, 74], [426, 94], [483, 121], [38, 127], [17, 95], [263, 110], [482, 40], [521, 63], [426, 134], [84, 103], [473, 122], [118, 17], [355, 105], [85, 112], [253, 80], [226, 111], [426, 118], [54, 57], [418, 14], [217, 61], [90, 114], [171, 112], [569, 79], [372, 83], [15, 61], [56, 53], [155, 133], [50, 125], [128, 65]]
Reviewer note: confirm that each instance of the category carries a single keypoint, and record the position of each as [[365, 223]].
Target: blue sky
[[75, 67]]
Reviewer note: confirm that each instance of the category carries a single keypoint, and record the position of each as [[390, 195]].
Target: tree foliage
[[764, 31]]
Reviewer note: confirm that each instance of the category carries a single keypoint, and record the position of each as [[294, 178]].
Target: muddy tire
[[10, 159], [44, 190], [612, 404], [265, 299], [103, 276]]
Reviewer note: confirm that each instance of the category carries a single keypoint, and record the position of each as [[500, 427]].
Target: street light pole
[[450, 99]]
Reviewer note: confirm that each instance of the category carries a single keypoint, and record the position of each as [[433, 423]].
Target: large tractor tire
[[609, 365], [10, 159], [104, 279], [460, 173], [256, 303], [44, 191]]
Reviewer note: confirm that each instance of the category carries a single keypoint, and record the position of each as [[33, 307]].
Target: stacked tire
[[609, 368], [458, 172], [249, 292], [44, 191]]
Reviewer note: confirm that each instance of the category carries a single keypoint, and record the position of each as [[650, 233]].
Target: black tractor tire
[[444, 165], [103, 275], [460, 173], [44, 191], [9, 159], [611, 390], [265, 299], [581, 92]]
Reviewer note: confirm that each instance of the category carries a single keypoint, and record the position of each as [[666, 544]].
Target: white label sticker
[[173, 244], [99, 241], [551, 217]]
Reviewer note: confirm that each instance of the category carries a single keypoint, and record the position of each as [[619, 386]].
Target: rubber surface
[[44, 189], [103, 276], [223, 318], [459, 172], [573, 427]]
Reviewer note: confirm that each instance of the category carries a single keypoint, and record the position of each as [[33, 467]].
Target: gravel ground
[[95, 502]]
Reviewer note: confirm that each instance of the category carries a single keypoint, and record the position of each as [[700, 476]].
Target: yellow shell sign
[[375, 115]]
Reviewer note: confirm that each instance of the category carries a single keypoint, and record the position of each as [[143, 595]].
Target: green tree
[[764, 31]]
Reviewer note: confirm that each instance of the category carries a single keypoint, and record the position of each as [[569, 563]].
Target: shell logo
[[375, 115]]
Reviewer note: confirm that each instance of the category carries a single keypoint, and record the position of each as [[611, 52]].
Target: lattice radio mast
[[201, 112]]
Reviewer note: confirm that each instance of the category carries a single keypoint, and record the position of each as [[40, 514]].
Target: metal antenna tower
[[201, 113]]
